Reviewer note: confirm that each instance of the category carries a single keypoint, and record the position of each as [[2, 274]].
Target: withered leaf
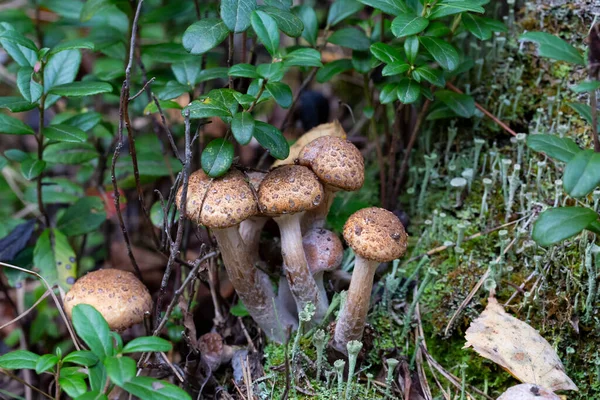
[[517, 347], [527, 391]]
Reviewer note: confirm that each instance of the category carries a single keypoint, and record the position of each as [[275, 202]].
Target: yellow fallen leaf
[[527, 391], [329, 129], [517, 347]]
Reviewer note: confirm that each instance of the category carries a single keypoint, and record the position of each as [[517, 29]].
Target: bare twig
[[27, 385], [24, 313], [142, 90], [166, 126]]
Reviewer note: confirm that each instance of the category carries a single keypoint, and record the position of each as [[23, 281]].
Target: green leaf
[[81, 357], [147, 343], [172, 90], [93, 329], [266, 30], [287, 22], [406, 25], [97, 377], [408, 91], [440, 111], [19, 359], [70, 153], [395, 68], [342, 9], [271, 139], [55, 258], [462, 104], [225, 97], [553, 47], [557, 224], [21, 49], [385, 53], [282, 4], [60, 69], [389, 93], [152, 389], [308, 16], [29, 88], [477, 26], [13, 126], [16, 104], [73, 386], [186, 72], [206, 108], [586, 86], [281, 93], [272, 72], [164, 105], [303, 58], [120, 370], [32, 168], [94, 395], [80, 89], [450, 7], [45, 363], [217, 157], [582, 173], [242, 127], [332, 69], [433, 76], [561, 149], [351, 38], [243, 71], [81, 43], [85, 216], [411, 48], [65, 133], [204, 35], [236, 14], [93, 7], [239, 310], [584, 110], [443, 53], [392, 7]]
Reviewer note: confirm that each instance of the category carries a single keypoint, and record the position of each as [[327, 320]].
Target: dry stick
[[27, 385], [520, 288], [483, 110], [24, 313], [594, 107], [169, 133], [142, 90]]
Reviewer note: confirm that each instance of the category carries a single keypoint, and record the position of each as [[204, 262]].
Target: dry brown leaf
[[527, 391], [329, 129], [517, 347]]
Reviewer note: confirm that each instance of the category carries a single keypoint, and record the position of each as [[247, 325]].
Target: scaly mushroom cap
[[336, 161], [527, 391], [220, 202], [376, 234], [324, 250], [118, 295], [289, 189]]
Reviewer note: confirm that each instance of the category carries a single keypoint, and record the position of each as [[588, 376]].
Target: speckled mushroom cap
[[324, 250], [218, 203], [118, 295], [376, 234], [289, 189], [336, 161]]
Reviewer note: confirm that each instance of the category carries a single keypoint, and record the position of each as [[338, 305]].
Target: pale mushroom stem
[[351, 320], [317, 217], [301, 282], [285, 297], [252, 285], [250, 230]]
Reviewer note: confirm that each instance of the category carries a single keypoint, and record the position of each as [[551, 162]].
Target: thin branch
[[169, 133], [23, 314], [142, 90], [21, 381]]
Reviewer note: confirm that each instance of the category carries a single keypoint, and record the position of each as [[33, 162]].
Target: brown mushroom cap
[[289, 189], [118, 295], [376, 234], [336, 161], [218, 203], [324, 250]]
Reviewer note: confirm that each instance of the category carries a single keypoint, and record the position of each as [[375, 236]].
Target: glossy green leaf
[[81, 43], [287, 22], [553, 47], [477, 26], [342, 9], [561, 149], [97, 377], [217, 157], [557, 224], [186, 72], [442, 52], [266, 29], [85, 216], [225, 97], [586, 86], [172, 90], [45, 363], [29, 88], [444, 8], [282, 4], [431, 75], [303, 58], [389, 93], [411, 48], [308, 16], [462, 104], [70, 153], [582, 173], [392, 7], [93, 329], [151, 108], [242, 127], [65, 133], [407, 24], [204, 35], [408, 91], [31, 168], [19, 359], [206, 108], [93, 7], [236, 14], [271, 139], [82, 357], [147, 344], [385, 53], [55, 258], [332, 69], [93, 395], [243, 71], [16, 104], [13, 126], [84, 121], [73, 386], [351, 38], [281, 93], [18, 47], [80, 89], [585, 111], [120, 370], [272, 72], [148, 388], [60, 69], [395, 68]]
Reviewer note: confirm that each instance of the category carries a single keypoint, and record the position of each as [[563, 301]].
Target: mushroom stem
[[317, 217], [252, 286], [301, 282], [250, 230], [351, 320]]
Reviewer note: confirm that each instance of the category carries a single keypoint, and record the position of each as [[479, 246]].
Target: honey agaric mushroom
[[285, 194], [376, 235], [213, 351], [221, 204], [118, 295], [324, 252], [339, 165]]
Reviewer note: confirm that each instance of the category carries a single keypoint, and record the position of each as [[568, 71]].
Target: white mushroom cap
[[527, 391]]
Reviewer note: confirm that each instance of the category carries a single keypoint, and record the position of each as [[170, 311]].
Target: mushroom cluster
[[298, 196]]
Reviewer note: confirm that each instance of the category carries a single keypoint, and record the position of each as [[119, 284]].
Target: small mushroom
[[339, 165], [376, 235], [118, 295], [528, 391], [221, 204], [213, 351], [324, 252], [285, 194]]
